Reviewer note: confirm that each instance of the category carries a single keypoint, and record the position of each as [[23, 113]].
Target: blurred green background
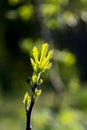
[[28, 23]]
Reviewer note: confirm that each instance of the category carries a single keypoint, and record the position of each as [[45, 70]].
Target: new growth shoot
[[40, 63]]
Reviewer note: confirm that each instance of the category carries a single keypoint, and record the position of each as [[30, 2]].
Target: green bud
[[37, 93], [34, 79], [27, 100], [40, 82]]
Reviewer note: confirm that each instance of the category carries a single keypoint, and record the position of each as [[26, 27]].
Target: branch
[[28, 114]]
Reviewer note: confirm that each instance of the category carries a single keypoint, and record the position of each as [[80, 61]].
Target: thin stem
[[28, 114]]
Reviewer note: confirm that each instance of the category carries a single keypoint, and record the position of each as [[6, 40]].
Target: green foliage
[[65, 57], [70, 18], [81, 99], [25, 12], [49, 10], [70, 119], [43, 118]]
